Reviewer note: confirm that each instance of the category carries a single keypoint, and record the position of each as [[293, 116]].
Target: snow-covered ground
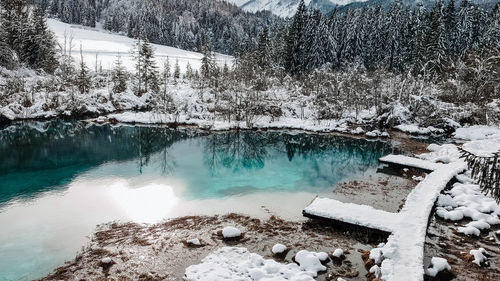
[[103, 47]]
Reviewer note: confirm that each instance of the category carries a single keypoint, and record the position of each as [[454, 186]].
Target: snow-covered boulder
[[231, 232], [437, 265], [278, 249]]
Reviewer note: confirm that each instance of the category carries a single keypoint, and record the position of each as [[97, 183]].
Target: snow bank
[[338, 253], [233, 263], [483, 148], [478, 132], [465, 200], [445, 153], [415, 129]]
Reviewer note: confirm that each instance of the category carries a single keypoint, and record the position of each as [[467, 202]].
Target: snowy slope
[[108, 46], [287, 8]]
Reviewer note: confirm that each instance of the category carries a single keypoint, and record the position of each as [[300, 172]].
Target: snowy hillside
[[108, 46], [287, 8]]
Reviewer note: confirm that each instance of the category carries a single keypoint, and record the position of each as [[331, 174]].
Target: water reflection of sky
[[59, 180]]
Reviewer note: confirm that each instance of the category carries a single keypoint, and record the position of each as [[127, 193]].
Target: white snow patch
[[231, 232], [233, 263], [278, 249], [309, 262], [338, 253], [437, 265]]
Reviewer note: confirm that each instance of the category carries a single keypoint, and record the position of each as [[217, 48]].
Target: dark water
[[59, 179], [37, 157]]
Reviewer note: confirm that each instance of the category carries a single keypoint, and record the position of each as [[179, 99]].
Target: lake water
[[58, 180]]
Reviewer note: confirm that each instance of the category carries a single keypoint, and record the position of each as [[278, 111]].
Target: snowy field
[[104, 47]]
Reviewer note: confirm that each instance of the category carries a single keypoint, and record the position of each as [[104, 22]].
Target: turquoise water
[[59, 179]]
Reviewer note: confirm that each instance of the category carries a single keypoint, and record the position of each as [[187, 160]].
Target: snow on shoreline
[[233, 263]]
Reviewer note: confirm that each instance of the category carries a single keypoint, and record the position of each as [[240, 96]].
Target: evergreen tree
[[263, 54], [491, 38], [207, 61], [295, 41], [7, 59], [177, 70], [119, 76], [147, 73], [40, 50], [83, 78], [435, 48], [189, 71], [450, 24]]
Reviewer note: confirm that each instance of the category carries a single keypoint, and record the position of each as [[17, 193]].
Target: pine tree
[[147, 73], [177, 70], [207, 61], [263, 54], [189, 71], [119, 77], [450, 24], [15, 23], [435, 48], [166, 69], [491, 37], [40, 50], [295, 41], [7, 59], [83, 78]]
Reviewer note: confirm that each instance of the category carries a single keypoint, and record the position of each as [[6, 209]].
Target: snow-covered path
[[108, 46], [404, 250]]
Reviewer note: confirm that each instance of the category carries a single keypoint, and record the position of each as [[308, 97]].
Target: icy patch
[[233, 263]]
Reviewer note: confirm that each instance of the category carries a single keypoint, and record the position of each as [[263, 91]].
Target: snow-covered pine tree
[[207, 61], [189, 71], [491, 37], [177, 70], [16, 25], [83, 82], [119, 76], [40, 48], [263, 55], [296, 41], [450, 24], [147, 72], [435, 47], [7, 58]]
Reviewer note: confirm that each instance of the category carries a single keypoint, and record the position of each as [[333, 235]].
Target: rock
[[278, 249]]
